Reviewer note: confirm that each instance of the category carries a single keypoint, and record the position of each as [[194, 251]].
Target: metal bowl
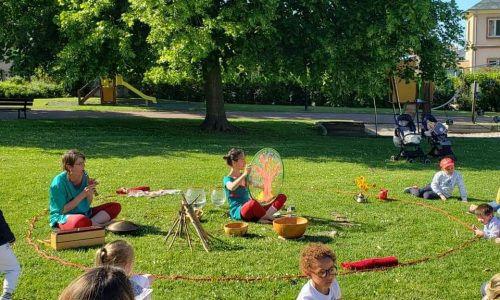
[[122, 226]]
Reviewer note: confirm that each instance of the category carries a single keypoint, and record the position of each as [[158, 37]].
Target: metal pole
[[474, 91], [376, 119]]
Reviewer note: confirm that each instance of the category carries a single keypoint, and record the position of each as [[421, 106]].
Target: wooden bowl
[[236, 228], [290, 227]]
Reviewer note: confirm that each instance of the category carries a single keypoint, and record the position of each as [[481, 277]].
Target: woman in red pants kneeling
[[71, 193], [241, 206]]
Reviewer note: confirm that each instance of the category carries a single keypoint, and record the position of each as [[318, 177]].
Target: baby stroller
[[437, 135], [407, 139]]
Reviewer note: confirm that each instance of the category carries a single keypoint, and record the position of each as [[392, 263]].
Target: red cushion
[[370, 263]]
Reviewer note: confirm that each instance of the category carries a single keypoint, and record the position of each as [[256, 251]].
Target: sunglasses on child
[[324, 273]]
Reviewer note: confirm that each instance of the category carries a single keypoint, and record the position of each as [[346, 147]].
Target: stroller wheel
[[427, 161], [411, 160]]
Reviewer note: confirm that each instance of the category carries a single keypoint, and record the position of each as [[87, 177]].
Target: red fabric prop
[[137, 188], [370, 263]]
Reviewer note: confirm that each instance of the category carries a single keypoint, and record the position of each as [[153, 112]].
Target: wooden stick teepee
[[180, 226]]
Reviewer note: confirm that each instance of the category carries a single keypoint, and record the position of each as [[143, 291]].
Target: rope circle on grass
[[465, 244]]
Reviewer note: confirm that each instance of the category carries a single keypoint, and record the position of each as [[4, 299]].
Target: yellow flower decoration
[[361, 183]]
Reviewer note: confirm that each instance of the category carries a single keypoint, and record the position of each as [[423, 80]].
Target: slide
[[119, 81]]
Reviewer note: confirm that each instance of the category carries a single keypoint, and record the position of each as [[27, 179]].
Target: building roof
[[486, 4]]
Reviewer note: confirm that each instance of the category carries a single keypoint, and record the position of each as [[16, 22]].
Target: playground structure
[[107, 89], [412, 94]]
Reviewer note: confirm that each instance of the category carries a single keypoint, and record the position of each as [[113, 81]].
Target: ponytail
[[118, 253]]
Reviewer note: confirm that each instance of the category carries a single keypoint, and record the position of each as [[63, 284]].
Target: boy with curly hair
[[317, 262]]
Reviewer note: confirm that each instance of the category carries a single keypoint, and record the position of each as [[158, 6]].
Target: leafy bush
[[36, 88], [488, 97]]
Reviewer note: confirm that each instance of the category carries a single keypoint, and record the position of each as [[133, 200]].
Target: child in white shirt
[[491, 229], [442, 184], [317, 262]]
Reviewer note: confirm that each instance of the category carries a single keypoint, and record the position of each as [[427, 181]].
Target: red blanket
[[370, 263], [137, 188]]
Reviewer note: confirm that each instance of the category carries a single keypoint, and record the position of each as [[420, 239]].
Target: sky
[[466, 4]]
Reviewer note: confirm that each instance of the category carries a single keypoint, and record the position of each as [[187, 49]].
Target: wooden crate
[[79, 237]]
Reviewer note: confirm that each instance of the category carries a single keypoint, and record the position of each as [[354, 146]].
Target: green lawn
[[171, 105], [319, 177]]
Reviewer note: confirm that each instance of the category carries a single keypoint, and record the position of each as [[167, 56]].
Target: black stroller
[[407, 139], [437, 135]]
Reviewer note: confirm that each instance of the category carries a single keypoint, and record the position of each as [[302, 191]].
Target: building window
[[494, 28], [492, 62]]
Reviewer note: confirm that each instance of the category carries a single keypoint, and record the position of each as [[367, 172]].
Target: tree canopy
[[342, 47], [29, 37]]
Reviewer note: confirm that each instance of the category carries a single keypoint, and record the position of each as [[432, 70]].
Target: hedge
[[17, 87]]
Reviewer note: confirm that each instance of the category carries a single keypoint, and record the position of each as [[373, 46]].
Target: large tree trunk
[[215, 118]]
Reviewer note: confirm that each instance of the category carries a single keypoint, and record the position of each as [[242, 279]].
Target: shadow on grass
[[472, 199], [352, 226], [138, 137], [317, 239], [144, 230], [217, 244]]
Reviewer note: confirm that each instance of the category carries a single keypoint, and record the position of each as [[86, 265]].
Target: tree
[[348, 47], [201, 40], [29, 37], [343, 47], [99, 42]]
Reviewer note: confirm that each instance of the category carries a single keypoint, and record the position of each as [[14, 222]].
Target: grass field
[[319, 180], [71, 103]]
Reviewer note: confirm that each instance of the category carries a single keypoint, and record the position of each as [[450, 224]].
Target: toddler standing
[[8, 260]]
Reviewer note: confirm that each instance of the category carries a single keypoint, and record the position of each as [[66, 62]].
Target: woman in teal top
[[71, 194], [241, 206]]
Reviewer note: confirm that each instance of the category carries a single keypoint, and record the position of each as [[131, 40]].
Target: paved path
[[462, 124]]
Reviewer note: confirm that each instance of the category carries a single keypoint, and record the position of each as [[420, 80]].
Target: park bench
[[19, 104], [346, 128]]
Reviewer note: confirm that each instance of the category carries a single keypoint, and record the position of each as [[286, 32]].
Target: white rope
[[457, 92]]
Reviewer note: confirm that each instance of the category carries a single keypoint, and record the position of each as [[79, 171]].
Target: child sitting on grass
[[120, 254], [442, 184], [317, 262], [484, 214], [99, 283]]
